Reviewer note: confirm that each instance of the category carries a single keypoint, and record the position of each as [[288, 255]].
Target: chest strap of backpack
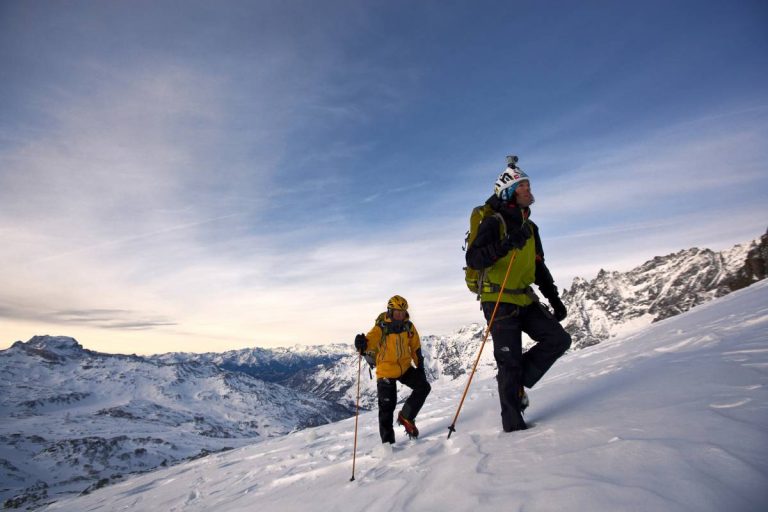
[[495, 288], [385, 329]]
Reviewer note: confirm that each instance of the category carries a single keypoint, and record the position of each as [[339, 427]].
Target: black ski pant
[[387, 394], [516, 369]]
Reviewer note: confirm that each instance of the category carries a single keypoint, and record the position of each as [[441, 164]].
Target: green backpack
[[472, 277]]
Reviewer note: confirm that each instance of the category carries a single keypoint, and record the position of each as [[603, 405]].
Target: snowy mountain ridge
[[72, 419], [669, 418], [330, 371], [617, 303]]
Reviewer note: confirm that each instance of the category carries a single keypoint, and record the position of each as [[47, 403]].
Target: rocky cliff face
[[619, 302], [755, 266]]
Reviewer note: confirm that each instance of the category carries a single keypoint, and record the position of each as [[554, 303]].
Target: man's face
[[398, 314], [523, 195]]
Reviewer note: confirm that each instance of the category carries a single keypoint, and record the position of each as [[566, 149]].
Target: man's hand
[[361, 343], [517, 238], [420, 363], [559, 308]]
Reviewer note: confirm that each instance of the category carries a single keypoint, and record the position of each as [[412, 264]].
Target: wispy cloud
[[108, 319], [118, 243], [394, 190], [263, 176], [97, 318], [656, 175]]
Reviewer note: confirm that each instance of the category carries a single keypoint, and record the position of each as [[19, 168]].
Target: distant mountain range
[[73, 419]]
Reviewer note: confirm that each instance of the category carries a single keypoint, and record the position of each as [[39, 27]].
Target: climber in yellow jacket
[[394, 344]]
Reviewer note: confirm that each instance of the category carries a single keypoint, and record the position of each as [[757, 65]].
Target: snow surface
[[671, 418], [72, 418]]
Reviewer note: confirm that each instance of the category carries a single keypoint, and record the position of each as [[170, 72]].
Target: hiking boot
[[513, 422], [409, 425], [524, 403]]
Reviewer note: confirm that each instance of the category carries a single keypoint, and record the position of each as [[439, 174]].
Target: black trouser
[[516, 369], [387, 392]]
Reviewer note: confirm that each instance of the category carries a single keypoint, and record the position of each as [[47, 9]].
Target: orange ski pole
[[357, 414], [452, 428]]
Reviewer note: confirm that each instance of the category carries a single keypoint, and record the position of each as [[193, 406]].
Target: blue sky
[[203, 176]]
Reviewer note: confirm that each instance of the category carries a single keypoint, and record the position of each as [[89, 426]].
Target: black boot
[[387, 435], [524, 402], [510, 399]]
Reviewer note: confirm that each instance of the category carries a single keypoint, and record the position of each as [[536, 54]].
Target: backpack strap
[[383, 328], [482, 285], [503, 224]]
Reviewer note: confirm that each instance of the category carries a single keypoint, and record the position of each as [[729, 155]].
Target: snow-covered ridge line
[[616, 303], [73, 419], [670, 418]]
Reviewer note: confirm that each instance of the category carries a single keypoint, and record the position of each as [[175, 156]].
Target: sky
[[205, 176]]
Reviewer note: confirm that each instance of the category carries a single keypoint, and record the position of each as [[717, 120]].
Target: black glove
[[517, 238], [559, 308], [361, 343], [420, 363]]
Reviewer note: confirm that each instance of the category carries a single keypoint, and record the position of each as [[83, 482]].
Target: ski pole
[[452, 428], [357, 413]]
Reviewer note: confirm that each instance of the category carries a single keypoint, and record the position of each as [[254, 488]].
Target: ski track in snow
[[672, 418]]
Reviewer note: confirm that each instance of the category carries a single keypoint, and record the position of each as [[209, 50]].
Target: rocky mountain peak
[[620, 302], [52, 348], [755, 264]]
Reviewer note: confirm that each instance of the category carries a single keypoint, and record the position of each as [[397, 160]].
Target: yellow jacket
[[393, 351]]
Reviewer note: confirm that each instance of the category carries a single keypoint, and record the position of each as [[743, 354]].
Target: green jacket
[[486, 254], [521, 276]]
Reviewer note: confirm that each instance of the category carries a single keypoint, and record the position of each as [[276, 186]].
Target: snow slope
[[72, 418], [671, 418]]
